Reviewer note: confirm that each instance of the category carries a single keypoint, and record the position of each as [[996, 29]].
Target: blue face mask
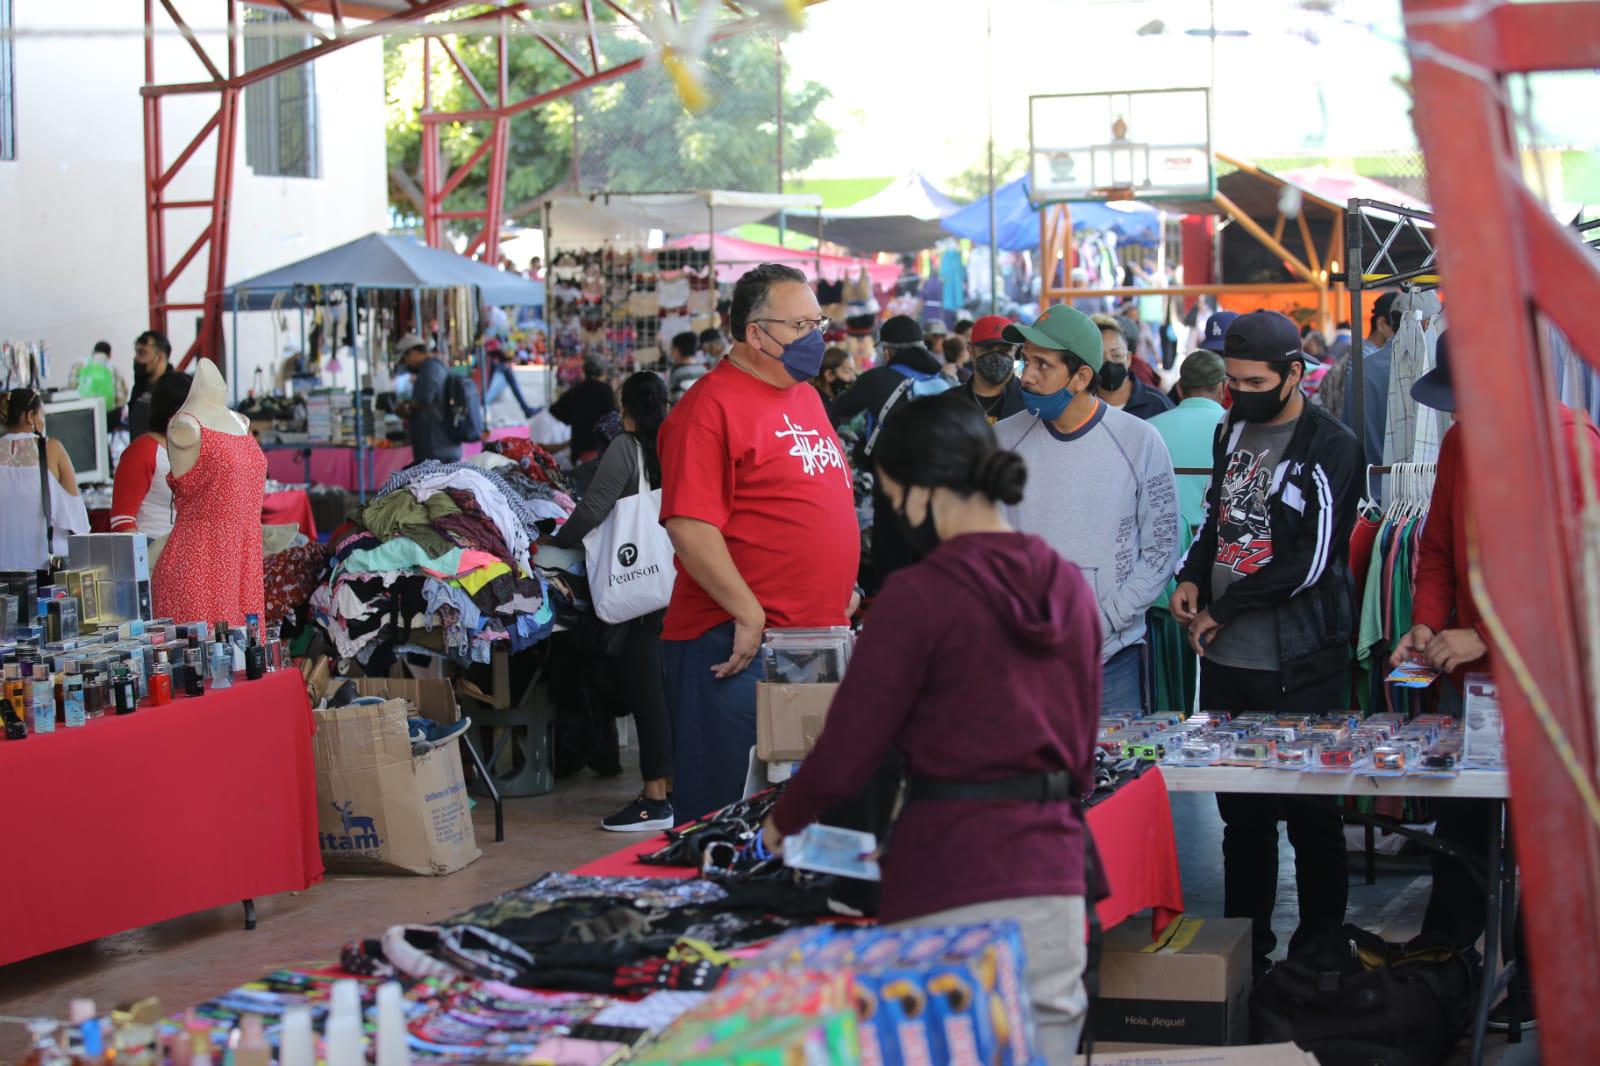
[[803, 358], [1049, 405]]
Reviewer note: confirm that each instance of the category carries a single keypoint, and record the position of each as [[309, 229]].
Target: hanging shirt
[[762, 465], [22, 545], [1244, 545]]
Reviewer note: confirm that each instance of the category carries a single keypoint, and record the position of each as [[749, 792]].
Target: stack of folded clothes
[[445, 546]]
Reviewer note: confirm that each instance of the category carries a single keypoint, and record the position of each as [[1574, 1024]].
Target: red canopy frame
[[588, 68], [1504, 258]]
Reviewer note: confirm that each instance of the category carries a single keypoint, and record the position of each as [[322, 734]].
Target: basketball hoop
[[1139, 145]]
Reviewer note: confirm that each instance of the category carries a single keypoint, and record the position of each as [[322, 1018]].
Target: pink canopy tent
[[735, 255], [1340, 187]]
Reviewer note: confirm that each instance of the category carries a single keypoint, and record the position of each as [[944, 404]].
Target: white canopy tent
[[584, 221]]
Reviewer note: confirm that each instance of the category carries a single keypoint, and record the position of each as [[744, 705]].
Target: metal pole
[[1355, 395], [777, 49], [994, 240], [233, 383]]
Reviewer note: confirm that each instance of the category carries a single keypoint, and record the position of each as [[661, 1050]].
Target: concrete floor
[[188, 959]]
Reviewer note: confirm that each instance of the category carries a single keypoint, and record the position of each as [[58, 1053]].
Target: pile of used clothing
[[613, 935], [445, 548]]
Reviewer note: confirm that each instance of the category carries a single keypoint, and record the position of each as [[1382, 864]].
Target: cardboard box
[[1190, 987], [379, 809], [789, 719], [1259, 1055]]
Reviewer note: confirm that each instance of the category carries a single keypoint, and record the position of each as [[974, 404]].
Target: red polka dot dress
[[211, 568]]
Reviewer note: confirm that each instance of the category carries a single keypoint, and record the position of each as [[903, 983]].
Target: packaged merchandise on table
[[807, 656], [1483, 743], [953, 994], [1253, 751], [1201, 749], [1297, 756]]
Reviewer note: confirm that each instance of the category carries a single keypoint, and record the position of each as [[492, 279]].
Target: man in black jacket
[[1264, 591], [910, 370]]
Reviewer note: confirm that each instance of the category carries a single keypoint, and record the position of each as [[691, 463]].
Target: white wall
[[72, 226]]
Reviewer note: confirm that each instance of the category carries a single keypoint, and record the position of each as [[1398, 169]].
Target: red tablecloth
[[291, 506], [337, 466], [170, 810], [277, 509], [1132, 829]]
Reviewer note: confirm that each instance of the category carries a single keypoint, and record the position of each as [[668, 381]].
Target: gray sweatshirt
[[1105, 498]]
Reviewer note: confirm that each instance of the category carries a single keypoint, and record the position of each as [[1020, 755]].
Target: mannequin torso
[[206, 407]]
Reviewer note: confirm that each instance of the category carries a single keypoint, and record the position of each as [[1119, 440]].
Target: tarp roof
[[736, 255], [905, 217], [1257, 191], [384, 261], [1017, 220], [597, 218]]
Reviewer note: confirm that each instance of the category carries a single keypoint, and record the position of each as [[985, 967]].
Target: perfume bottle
[[76, 713], [42, 703], [15, 690], [222, 664], [194, 672], [94, 696], [274, 643], [161, 681], [125, 694], [255, 658]]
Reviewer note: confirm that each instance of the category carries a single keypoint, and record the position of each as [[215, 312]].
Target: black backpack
[[463, 409], [1353, 999]]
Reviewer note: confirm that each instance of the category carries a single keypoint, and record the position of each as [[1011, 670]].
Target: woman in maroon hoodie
[[980, 665]]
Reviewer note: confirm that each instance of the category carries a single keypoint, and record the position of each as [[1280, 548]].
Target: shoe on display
[[642, 815], [1500, 1016], [426, 734]]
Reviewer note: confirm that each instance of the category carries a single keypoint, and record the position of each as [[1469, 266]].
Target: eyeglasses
[[802, 326]]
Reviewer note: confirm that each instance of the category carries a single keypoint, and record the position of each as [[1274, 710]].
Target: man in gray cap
[[1190, 429], [424, 412], [583, 405]]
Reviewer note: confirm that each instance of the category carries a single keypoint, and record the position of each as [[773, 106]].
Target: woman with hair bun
[[980, 666], [37, 484]]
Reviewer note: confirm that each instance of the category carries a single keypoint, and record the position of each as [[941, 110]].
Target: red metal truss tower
[[1504, 257], [215, 141]]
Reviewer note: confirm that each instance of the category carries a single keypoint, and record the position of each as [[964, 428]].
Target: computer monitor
[[80, 425]]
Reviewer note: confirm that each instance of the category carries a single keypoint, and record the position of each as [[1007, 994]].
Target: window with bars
[[8, 87], [280, 112]]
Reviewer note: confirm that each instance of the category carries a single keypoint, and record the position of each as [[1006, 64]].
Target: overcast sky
[[908, 75]]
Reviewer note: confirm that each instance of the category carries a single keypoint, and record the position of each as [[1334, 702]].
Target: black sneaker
[[642, 815], [1500, 1016]]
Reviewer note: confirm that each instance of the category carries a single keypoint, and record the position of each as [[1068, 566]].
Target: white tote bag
[[629, 557]]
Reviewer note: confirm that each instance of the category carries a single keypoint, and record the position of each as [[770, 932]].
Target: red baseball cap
[[988, 330]]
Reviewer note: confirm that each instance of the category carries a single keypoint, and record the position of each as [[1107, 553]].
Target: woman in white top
[[22, 486]]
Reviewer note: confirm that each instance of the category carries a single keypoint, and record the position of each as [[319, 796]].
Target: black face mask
[[1260, 407], [1112, 375], [995, 367], [922, 538]]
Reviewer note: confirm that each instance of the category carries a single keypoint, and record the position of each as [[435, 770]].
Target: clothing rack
[[24, 364]]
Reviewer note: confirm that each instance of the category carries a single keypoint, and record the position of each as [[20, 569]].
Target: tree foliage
[[973, 183], [631, 134]]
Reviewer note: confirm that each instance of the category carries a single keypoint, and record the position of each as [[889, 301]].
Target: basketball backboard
[[1150, 144]]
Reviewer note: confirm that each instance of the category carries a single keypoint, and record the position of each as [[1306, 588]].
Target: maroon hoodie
[[978, 664]]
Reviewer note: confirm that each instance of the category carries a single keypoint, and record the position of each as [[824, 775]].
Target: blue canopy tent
[[375, 262], [1017, 220], [381, 261]]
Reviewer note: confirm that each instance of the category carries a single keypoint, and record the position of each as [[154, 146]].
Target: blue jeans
[[1122, 688], [713, 722], [500, 379]]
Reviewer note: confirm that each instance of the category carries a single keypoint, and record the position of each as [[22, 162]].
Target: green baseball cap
[[1062, 329]]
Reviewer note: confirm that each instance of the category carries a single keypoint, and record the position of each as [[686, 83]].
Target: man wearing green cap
[[1100, 488]]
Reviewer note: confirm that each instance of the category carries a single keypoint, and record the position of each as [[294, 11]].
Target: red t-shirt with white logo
[[763, 465]]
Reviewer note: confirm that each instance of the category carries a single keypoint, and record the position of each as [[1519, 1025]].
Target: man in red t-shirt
[[756, 495]]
